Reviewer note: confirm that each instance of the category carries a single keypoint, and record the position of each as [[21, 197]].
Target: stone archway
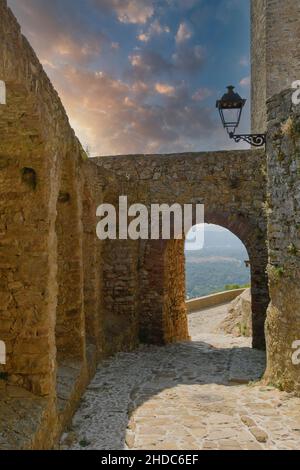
[[162, 292], [231, 185]]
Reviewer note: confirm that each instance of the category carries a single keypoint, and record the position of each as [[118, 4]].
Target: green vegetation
[[275, 273], [84, 443], [293, 250], [244, 330], [236, 286], [279, 385]]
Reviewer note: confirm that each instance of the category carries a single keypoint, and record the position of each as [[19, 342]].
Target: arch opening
[[163, 290], [218, 261], [218, 279]]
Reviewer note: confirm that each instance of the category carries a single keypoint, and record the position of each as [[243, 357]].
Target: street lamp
[[230, 108]]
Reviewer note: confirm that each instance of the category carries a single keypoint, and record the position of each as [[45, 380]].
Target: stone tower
[[275, 66], [275, 52]]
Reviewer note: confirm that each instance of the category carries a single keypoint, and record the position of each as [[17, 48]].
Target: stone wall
[[282, 51], [212, 300], [92, 196], [258, 66], [275, 65], [231, 185], [175, 323], [163, 314], [238, 319], [275, 54], [283, 207], [50, 290], [120, 284]]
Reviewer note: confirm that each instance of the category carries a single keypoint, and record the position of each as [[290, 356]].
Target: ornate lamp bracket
[[256, 140]]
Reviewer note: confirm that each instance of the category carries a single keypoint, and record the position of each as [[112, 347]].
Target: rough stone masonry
[[68, 300]]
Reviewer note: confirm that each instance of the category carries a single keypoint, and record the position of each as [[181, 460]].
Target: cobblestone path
[[198, 395]]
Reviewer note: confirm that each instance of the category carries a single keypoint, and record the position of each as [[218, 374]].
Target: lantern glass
[[231, 117], [230, 108]]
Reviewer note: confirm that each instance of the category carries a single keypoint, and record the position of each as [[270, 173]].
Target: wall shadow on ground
[[130, 380]]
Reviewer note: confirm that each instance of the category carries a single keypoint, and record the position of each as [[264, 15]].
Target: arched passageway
[[231, 186], [163, 294]]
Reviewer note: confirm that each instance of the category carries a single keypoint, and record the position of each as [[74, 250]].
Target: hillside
[[220, 263]]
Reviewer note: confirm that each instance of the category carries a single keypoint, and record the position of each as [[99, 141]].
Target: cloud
[[189, 58], [155, 29], [165, 89], [144, 37], [128, 11], [245, 82], [184, 33], [140, 88], [114, 117], [147, 64], [148, 107], [244, 61], [60, 35], [201, 94], [70, 49], [183, 4]]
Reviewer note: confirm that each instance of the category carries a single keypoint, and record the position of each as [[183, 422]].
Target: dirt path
[[197, 395]]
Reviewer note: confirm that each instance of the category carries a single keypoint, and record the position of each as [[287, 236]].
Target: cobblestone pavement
[[198, 395]]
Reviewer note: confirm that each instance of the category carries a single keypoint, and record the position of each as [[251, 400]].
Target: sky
[[142, 76]]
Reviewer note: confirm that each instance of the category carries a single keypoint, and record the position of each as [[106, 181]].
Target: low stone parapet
[[194, 305]]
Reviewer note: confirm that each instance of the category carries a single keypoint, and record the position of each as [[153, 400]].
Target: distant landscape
[[219, 266]]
